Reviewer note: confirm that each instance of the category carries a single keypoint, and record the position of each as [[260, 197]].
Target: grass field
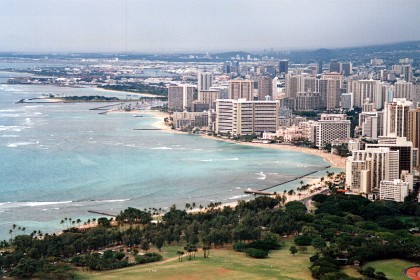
[[223, 263], [393, 269]]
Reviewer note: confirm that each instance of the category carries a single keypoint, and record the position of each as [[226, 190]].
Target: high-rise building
[[331, 127], [395, 190], [371, 124], [330, 93], [346, 101], [284, 66], [403, 89], [320, 66], [346, 68], [205, 80], [209, 97], [396, 117], [365, 169], [308, 101], [242, 117], [265, 88], [407, 71], [364, 89], [334, 66], [180, 97], [240, 89], [414, 130], [299, 83], [404, 147]]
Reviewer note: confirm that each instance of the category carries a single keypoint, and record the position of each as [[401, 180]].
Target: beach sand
[[334, 160]]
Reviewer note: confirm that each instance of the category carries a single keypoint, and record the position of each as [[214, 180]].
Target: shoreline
[[335, 160], [127, 92]]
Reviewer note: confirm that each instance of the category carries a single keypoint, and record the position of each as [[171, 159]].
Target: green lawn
[[223, 263], [393, 269]]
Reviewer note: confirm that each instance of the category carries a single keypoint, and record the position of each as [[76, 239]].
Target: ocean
[[63, 160]]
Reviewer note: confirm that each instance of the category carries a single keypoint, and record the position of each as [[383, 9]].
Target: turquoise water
[[62, 160]]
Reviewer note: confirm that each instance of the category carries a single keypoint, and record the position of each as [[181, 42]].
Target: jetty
[[147, 129], [294, 179], [256, 192], [104, 108], [101, 213]]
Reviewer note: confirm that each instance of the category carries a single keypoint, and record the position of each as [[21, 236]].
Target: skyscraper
[[241, 89], [346, 68], [334, 66], [365, 169], [403, 89], [320, 67], [364, 89], [330, 92], [205, 80], [396, 117], [209, 97], [284, 66], [407, 71], [265, 88], [414, 130], [180, 97], [242, 117]]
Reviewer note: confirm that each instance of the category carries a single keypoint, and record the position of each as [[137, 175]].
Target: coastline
[[127, 92], [316, 186], [335, 160]]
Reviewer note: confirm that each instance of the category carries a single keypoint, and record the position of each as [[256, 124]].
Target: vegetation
[[344, 230], [89, 98], [159, 89]]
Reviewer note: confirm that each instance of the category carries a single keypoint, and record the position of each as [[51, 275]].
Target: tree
[[318, 243], [180, 254], [145, 246], [206, 251], [293, 250], [104, 222]]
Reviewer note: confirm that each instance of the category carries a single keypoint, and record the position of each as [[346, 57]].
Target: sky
[[165, 26]]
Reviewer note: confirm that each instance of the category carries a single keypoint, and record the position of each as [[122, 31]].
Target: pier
[[263, 191], [294, 179], [101, 213], [259, 192], [104, 108], [147, 129]]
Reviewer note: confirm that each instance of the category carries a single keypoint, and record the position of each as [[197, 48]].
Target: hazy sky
[[202, 25]]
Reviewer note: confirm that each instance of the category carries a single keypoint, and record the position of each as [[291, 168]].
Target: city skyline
[[175, 26]]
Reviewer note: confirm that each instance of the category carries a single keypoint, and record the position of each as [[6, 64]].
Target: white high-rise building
[[395, 190], [403, 89], [242, 117], [365, 169], [364, 89], [405, 148], [396, 117], [331, 127]]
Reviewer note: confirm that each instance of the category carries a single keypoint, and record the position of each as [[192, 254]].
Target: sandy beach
[[315, 185], [334, 160]]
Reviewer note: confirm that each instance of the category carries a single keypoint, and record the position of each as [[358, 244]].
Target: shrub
[[256, 253], [264, 245], [239, 246], [148, 258], [303, 240]]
